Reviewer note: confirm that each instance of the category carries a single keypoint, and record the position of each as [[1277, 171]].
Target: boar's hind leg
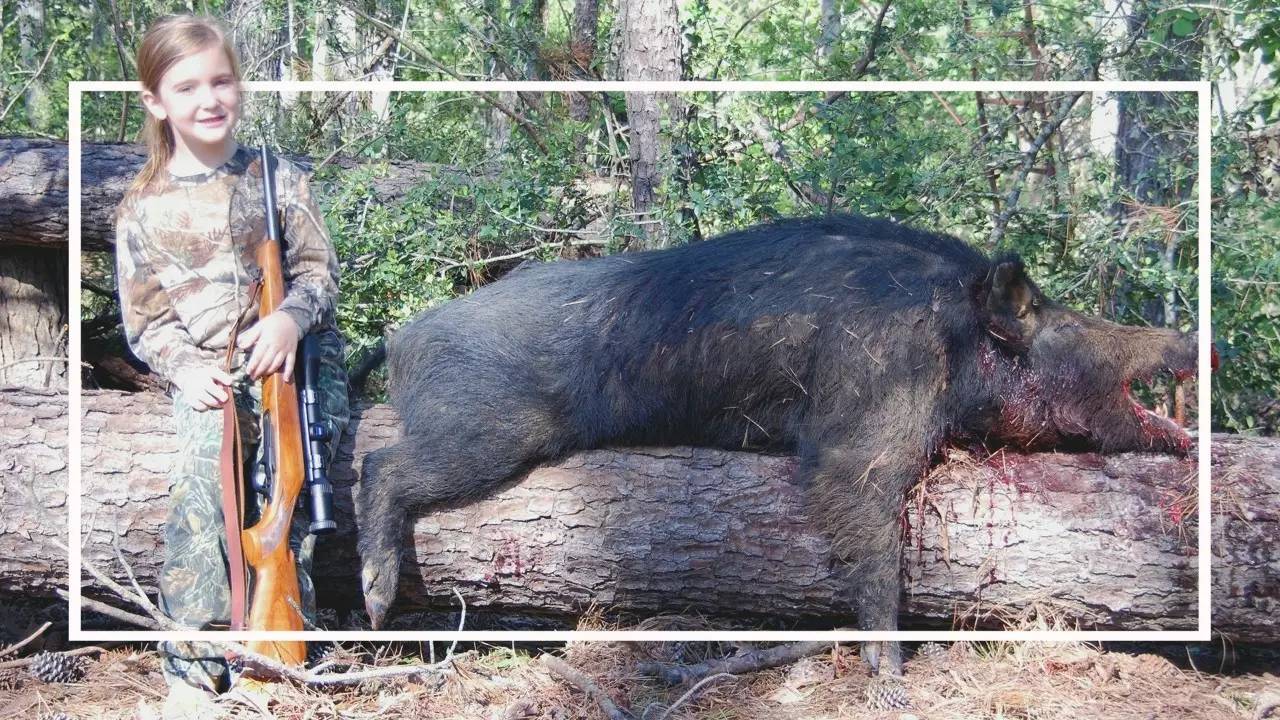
[[857, 495], [418, 472]]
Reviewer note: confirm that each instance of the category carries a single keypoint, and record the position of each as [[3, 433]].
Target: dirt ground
[[960, 681]]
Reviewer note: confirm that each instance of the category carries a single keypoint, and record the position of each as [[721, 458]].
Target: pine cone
[[887, 693], [1149, 664], [932, 650], [9, 680], [52, 667], [56, 716], [318, 652]]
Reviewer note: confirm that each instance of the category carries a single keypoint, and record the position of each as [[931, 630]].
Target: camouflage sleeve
[[310, 263], [151, 326]]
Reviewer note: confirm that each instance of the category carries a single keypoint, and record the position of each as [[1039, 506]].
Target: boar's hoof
[[884, 658], [379, 580]]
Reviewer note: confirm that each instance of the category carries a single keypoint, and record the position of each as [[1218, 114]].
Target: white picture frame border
[[1204, 167]]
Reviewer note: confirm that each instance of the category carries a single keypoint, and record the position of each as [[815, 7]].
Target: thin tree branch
[[736, 665], [24, 662], [778, 151], [807, 111], [123, 57], [525, 124], [715, 73], [256, 661], [860, 68], [19, 645], [576, 678], [693, 691], [30, 80], [1028, 159], [112, 611]]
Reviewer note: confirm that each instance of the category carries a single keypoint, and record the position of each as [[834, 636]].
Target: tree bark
[[33, 188], [31, 46], [526, 21], [650, 51], [829, 29], [582, 53], [1102, 541], [33, 317], [286, 69]]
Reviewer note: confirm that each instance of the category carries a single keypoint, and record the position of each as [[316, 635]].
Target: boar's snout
[[1145, 355], [1076, 388]]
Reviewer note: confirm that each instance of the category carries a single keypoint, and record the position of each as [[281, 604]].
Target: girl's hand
[[274, 339], [204, 386]]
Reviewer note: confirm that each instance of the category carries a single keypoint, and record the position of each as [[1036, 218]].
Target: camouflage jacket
[[185, 260]]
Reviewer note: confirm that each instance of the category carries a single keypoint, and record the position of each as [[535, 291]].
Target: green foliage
[[489, 197], [1260, 22], [1246, 291]]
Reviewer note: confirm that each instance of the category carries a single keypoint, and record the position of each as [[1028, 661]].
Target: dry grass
[[987, 681], [967, 681]]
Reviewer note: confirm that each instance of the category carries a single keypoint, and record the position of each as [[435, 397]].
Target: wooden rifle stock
[[275, 602]]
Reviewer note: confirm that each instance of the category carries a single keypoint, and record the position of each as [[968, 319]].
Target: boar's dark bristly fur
[[861, 345]]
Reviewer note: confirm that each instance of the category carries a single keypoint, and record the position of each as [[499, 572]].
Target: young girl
[[187, 231]]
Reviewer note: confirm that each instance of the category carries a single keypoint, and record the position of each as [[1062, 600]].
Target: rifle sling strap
[[231, 458]]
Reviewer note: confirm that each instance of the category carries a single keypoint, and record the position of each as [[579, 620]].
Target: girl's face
[[200, 97]]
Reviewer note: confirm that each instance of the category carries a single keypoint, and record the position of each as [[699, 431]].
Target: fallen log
[[33, 183], [1103, 542]]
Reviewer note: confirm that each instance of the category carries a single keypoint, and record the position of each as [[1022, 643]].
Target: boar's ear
[[1009, 301], [1010, 292]]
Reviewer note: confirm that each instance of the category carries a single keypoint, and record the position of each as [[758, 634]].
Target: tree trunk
[[31, 46], [829, 29], [33, 317], [1151, 137], [525, 18], [1147, 143], [650, 51], [349, 35], [582, 53], [288, 53], [382, 67], [1103, 541], [1104, 113], [33, 188], [322, 37]]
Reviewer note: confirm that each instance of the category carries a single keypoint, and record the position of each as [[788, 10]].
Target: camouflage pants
[[194, 584]]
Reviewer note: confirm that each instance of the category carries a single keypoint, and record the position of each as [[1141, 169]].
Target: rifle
[[275, 601]]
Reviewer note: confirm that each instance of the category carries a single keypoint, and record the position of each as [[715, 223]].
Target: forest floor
[[987, 681]]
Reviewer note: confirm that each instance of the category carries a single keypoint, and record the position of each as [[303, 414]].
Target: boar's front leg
[[857, 489], [421, 472]]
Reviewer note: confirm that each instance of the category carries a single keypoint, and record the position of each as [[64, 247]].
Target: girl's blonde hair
[[167, 41]]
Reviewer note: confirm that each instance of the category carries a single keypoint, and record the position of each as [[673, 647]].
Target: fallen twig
[[693, 691], [23, 662], [18, 646], [575, 678], [265, 666], [112, 612], [736, 665], [128, 570]]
